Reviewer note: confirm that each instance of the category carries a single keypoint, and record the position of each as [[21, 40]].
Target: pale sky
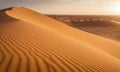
[[80, 7]]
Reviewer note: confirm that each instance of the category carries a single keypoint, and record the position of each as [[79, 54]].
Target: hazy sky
[[67, 6]]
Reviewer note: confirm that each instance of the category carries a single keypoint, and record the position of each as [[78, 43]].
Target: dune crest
[[30, 16], [32, 42]]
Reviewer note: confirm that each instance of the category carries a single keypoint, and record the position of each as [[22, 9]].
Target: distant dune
[[107, 26], [32, 42]]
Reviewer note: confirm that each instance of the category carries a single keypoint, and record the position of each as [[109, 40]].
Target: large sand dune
[[32, 42]]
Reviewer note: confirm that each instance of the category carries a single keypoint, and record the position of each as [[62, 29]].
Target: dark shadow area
[[4, 18]]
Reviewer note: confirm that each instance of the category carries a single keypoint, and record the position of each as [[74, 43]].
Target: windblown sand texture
[[32, 42]]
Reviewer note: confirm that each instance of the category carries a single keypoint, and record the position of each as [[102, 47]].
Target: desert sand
[[107, 26], [32, 42]]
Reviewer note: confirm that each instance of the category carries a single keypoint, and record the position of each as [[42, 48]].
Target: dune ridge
[[64, 29], [32, 42]]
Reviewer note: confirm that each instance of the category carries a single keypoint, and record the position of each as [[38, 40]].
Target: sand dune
[[32, 42]]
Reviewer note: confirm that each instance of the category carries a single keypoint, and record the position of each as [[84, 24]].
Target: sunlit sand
[[32, 42]]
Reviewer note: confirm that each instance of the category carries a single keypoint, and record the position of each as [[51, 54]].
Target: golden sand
[[32, 42]]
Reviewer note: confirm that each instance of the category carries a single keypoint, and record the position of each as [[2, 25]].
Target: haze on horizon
[[75, 7]]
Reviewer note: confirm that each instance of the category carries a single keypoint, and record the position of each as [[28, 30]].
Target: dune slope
[[38, 19], [32, 42]]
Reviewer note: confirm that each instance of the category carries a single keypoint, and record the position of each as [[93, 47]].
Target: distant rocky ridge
[[71, 19], [2, 10]]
